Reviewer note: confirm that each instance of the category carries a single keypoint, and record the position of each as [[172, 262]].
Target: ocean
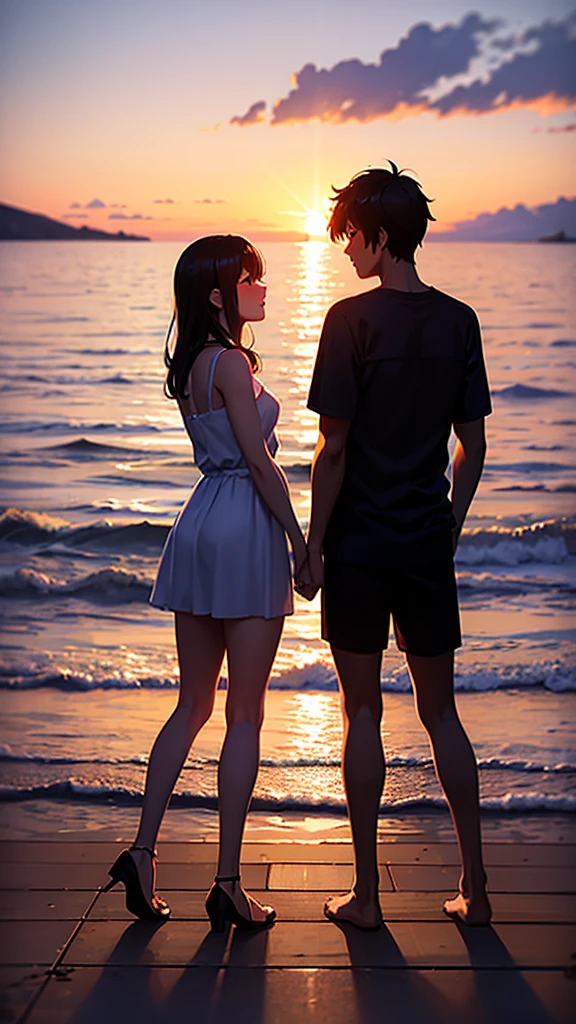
[[95, 465]]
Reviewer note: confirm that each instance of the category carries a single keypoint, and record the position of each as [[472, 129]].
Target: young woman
[[225, 570]]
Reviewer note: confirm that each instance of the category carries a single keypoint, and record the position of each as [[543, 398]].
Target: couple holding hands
[[398, 368]]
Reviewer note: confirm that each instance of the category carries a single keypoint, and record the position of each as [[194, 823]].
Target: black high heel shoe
[[124, 870], [221, 908]]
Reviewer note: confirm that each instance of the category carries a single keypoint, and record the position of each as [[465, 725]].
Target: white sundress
[[226, 555]]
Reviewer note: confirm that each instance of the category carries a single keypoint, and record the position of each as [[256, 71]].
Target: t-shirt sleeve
[[474, 397], [337, 371]]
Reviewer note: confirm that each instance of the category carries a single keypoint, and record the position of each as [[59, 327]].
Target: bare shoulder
[[233, 370]]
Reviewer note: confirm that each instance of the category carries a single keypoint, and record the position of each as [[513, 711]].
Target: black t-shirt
[[403, 367]]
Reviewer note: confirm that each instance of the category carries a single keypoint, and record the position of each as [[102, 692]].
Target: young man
[[398, 368]]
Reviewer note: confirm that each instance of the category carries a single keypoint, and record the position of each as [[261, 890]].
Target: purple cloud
[[209, 202], [353, 91], [126, 216], [424, 73], [253, 115], [520, 224], [95, 204], [546, 72], [165, 202]]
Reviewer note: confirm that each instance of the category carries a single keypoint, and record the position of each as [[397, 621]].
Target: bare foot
[[348, 908], [473, 911]]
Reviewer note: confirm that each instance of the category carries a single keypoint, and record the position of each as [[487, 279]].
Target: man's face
[[365, 261]]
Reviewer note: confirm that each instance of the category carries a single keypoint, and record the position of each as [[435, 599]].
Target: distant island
[[549, 222], [559, 236], [21, 226]]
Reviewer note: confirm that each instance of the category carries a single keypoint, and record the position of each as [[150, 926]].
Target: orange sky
[[129, 102]]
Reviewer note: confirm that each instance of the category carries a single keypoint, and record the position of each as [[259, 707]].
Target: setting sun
[[315, 224]]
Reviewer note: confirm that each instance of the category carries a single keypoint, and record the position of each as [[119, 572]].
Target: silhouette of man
[[398, 368]]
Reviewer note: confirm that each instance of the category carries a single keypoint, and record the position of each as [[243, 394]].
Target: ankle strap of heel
[[147, 849]]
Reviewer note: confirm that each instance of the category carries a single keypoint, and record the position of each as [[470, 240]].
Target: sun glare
[[315, 224]]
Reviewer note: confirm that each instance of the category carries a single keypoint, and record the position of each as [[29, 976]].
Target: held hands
[[309, 575]]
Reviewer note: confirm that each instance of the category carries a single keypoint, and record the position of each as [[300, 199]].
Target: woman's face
[[251, 298]]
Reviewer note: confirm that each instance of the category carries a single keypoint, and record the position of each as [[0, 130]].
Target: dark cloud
[[423, 73], [253, 115], [355, 91], [547, 71], [209, 202]]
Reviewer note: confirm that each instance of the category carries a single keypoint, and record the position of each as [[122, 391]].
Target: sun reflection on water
[[313, 291], [315, 724]]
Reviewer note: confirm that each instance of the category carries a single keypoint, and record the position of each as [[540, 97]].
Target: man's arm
[[328, 467], [467, 466]]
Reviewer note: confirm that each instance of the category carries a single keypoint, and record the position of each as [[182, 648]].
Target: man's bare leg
[[433, 680], [363, 771]]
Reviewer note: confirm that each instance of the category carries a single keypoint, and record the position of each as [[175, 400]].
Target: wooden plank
[[318, 877], [259, 996], [393, 852], [554, 855], [17, 986], [420, 878], [52, 876], [22, 943], [42, 905], [396, 906], [325, 878], [89, 877], [321, 944]]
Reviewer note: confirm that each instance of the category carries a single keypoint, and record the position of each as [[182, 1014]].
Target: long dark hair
[[216, 261]]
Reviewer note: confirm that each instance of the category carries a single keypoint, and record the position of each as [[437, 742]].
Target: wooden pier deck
[[73, 955]]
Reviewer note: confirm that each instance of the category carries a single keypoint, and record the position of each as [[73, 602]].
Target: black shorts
[[358, 600]]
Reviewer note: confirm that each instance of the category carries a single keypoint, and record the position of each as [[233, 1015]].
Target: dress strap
[[211, 377]]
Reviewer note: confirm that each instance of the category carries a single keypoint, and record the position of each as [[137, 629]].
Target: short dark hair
[[378, 198]]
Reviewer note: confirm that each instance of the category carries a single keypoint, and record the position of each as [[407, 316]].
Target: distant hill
[[19, 225], [520, 224]]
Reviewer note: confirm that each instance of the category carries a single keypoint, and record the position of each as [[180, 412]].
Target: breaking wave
[[74, 789], [398, 761], [556, 676], [547, 542]]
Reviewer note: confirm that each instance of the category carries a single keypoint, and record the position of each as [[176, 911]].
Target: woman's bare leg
[[433, 680], [363, 771], [251, 646], [200, 642]]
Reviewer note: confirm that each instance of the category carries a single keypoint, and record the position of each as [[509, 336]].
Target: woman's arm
[[233, 380]]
